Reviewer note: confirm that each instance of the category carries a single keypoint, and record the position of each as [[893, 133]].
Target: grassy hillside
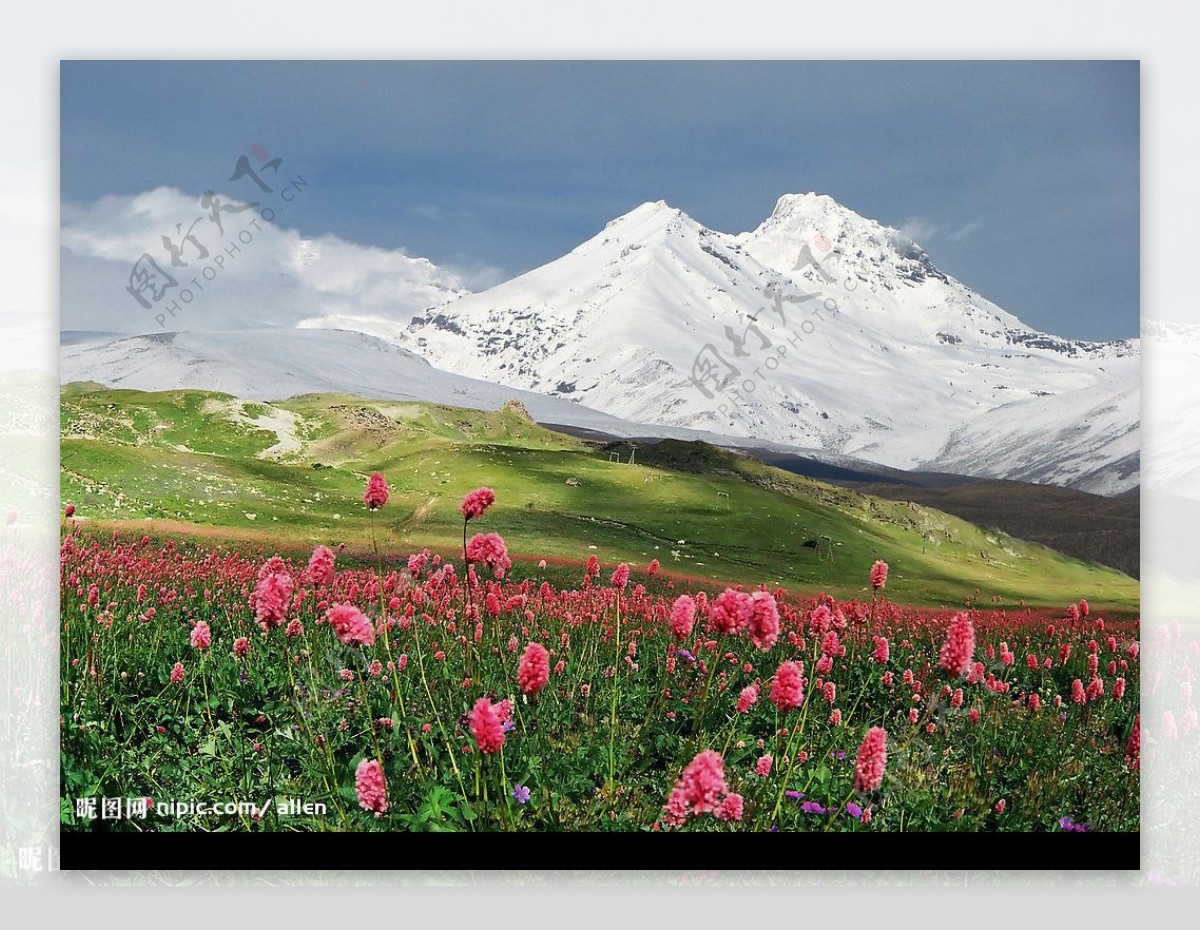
[[1102, 529], [293, 473]]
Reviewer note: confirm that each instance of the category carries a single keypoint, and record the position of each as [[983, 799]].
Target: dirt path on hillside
[[419, 515], [283, 423]]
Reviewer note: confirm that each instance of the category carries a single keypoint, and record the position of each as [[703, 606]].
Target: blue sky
[[1019, 178]]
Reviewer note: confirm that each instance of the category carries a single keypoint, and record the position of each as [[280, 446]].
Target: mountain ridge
[[657, 314]]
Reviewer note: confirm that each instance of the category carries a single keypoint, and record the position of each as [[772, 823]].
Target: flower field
[[416, 692]]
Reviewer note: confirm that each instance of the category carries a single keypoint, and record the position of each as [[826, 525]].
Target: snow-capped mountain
[[819, 329], [1172, 408]]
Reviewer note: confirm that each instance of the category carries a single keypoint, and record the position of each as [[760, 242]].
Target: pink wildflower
[[177, 673], [1133, 748], [271, 599], [476, 503], [320, 566], [703, 782], [377, 492], [871, 760], [763, 766], [879, 573], [764, 621], [959, 648], [533, 671], [620, 577], [371, 786], [201, 636], [489, 549], [730, 808], [350, 625], [787, 691], [732, 611], [486, 726], [683, 616], [747, 698]]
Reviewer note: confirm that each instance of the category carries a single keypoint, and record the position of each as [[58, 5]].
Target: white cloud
[[965, 230], [255, 273], [918, 230]]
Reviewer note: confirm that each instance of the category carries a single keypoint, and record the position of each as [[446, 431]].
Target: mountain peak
[[817, 210], [652, 213], [806, 203]]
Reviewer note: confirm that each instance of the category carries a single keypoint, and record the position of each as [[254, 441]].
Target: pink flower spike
[[377, 492], [959, 647], [787, 691], [871, 761], [683, 616], [533, 672], [475, 504], [489, 549], [350, 625], [371, 786], [879, 573], [486, 726], [201, 637], [320, 569]]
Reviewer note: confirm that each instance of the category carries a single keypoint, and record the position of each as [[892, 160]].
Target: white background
[[37, 36]]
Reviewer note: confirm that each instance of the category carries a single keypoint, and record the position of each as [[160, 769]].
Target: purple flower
[[839, 754], [520, 793], [854, 810], [508, 726], [685, 654], [1070, 826], [794, 795], [812, 807]]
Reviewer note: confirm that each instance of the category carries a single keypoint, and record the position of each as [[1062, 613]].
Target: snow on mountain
[[819, 329], [1172, 408], [274, 364], [1075, 438]]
